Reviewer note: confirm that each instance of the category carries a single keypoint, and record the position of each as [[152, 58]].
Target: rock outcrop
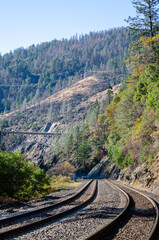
[[104, 169], [143, 175]]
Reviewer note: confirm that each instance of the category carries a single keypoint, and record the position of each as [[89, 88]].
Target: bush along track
[[78, 204]]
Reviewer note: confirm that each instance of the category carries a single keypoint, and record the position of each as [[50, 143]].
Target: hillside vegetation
[[133, 114], [131, 121], [21, 179], [30, 75], [128, 128], [58, 90]]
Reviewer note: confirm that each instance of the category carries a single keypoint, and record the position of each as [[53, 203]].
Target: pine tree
[[146, 22], [144, 26]]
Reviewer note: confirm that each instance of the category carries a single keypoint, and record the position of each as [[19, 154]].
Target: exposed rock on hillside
[[105, 169], [140, 175], [143, 175], [68, 106]]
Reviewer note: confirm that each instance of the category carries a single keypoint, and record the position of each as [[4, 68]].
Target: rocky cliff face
[[105, 169], [143, 175], [140, 175]]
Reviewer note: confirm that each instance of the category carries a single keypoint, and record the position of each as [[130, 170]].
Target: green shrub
[[143, 153], [118, 157], [149, 160], [21, 179]]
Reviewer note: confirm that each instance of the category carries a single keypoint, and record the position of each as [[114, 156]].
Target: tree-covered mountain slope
[[55, 84], [131, 122], [76, 87], [30, 75], [66, 105], [128, 129], [74, 118]]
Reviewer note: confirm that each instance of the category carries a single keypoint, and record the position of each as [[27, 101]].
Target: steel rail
[[98, 234], [51, 206], [110, 225], [24, 228], [156, 222]]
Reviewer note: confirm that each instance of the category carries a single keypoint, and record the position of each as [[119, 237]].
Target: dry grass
[[82, 87], [61, 182], [101, 95]]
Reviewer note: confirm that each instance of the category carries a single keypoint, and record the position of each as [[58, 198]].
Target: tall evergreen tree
[[146, 22]]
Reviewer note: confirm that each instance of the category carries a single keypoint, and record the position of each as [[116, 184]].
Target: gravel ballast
[[39, 203], [139, 221], [107, 205], [43, 214]]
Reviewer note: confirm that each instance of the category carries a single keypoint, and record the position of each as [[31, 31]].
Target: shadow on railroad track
[[88, 213], [109, 234], [25, 205], [97, 213], [19, 204], [143, 212]]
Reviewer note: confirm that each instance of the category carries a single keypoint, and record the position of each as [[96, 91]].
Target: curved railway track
[[135, 218], [139, 219], [9, 229], [50, 206], [107, 205], [12, 208]]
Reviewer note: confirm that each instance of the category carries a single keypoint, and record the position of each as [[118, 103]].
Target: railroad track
[[12, 208], [10, 226], [138, 220], [108, 203], [48, 207]]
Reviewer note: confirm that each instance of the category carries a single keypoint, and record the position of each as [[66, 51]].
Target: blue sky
[[27, 22]]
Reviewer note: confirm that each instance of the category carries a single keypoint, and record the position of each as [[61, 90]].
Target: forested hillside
[[132, 117], [29, 75], [130, 124], [128, 129], [55, 86]]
